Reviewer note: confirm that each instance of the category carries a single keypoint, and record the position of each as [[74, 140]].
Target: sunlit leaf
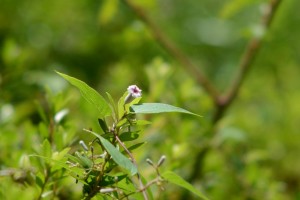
[[91, 95], [148, 108], [46, 148], [175, 179]]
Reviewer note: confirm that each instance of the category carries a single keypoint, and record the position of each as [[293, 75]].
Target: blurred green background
[[255, 151]]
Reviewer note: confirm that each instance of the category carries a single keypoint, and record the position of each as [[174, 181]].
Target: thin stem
[[134, 162], [225, 101], [45, 183], [174, 51]]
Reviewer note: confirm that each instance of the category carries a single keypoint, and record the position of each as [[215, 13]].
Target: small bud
[[161, 160], [133, 92], [149, 162], [107, 190], [81, 142]]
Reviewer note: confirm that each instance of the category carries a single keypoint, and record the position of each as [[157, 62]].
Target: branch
[[134, 162], [174, 51], [247, 60]]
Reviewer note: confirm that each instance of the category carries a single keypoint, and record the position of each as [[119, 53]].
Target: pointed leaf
[[116, 155], [129, 136], [175, 179], [135, 146], [91, 95], [148, 108]]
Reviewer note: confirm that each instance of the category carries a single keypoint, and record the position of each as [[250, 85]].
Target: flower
[[133, 92]]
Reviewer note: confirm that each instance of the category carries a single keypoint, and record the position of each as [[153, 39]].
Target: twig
[[174, 51], [247, 60], [134, 162], [224, 102]]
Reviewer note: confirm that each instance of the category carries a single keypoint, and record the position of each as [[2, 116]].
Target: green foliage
[[119, 158], [253, 148], [97, 172]]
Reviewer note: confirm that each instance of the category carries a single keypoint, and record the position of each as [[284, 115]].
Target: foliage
[[251, 152], [96, 171]]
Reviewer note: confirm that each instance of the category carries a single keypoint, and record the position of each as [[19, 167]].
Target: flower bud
[[161, 160], [149, 162], [81, 142], [106, 190]]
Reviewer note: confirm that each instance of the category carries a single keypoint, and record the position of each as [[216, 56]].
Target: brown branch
[[246, 63], [173, 50]]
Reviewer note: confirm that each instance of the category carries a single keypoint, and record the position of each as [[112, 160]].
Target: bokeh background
[[254, 148]]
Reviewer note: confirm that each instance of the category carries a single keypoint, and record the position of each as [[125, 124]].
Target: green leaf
[[60, 155], [84, 160], [148, 108], [113, 106], [175, 179], [91, 95], [46, 148], [74, 170], [129, 136], [116, 155], [110, 180], [103, 125], [135, 146]]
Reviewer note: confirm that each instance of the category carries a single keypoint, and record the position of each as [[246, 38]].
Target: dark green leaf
[[110, 180], [103, 125], [129, 136], [135, 146]]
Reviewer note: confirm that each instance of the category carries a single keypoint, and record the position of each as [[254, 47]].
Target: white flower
[[133, 92]]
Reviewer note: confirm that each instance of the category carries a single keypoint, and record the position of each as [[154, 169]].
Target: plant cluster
[[106, 166]]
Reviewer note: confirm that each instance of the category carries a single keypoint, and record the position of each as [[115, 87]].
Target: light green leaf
[[116, 155], [46, 148], [147, 108], [91, 95], [175, 179], [84, 160], [113, 106]]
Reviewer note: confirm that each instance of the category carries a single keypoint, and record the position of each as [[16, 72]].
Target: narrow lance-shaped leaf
[[175, 179], [116, 155], [91, 95], [148, 108]]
